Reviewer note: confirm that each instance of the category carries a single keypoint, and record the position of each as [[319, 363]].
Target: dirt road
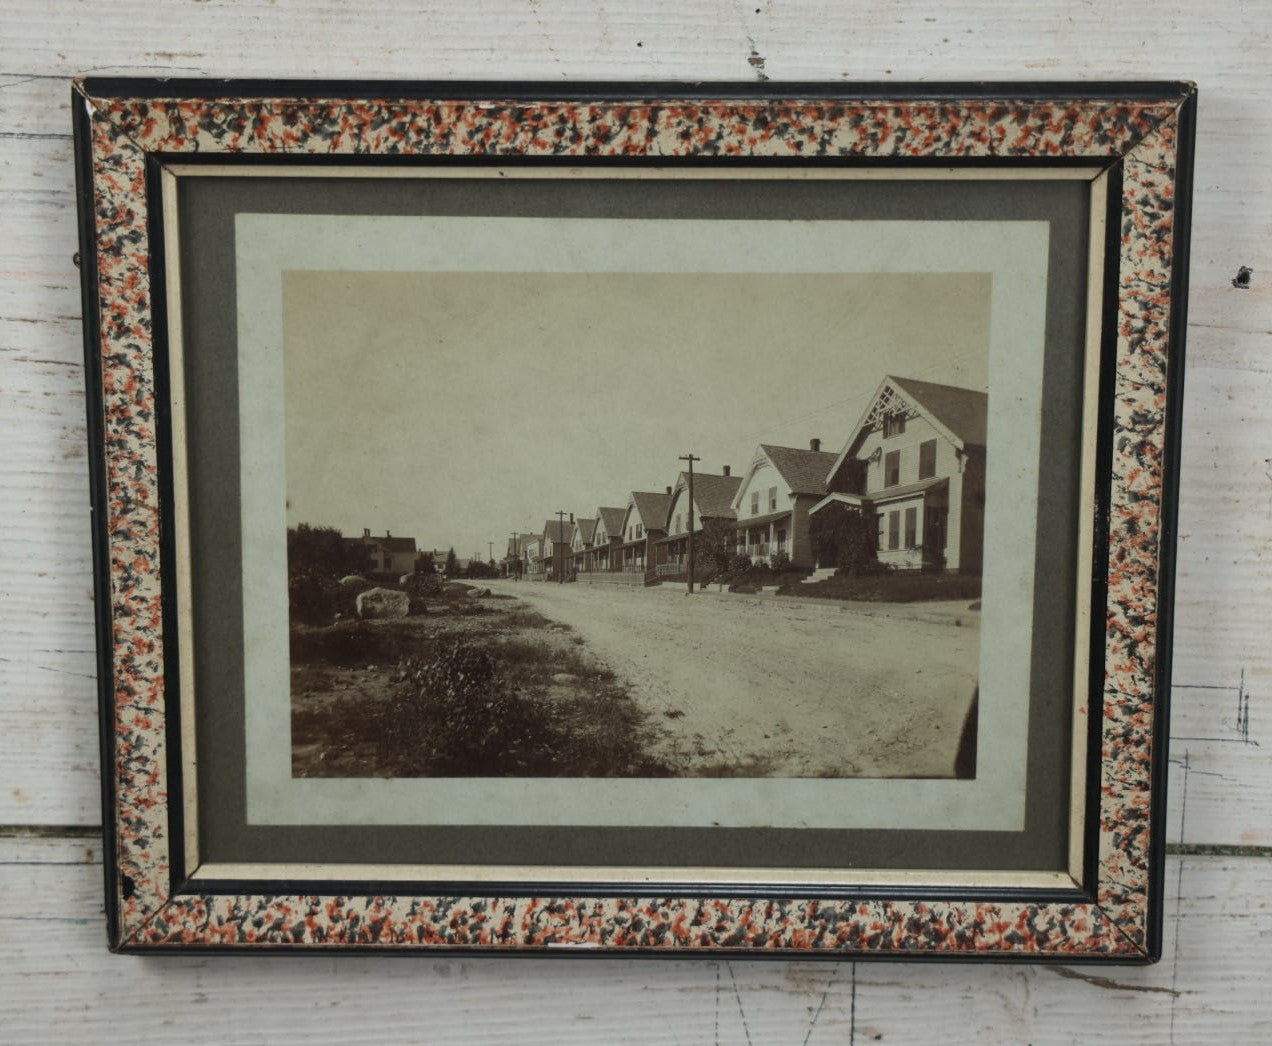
[[782, 689]]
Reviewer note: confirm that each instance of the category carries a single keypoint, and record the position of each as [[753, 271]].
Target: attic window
[[893, 424]]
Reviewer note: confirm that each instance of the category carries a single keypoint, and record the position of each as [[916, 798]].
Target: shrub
[[422, 586], [312, 598], [842, 536], [740, 563], [713, 547], [779, 561]]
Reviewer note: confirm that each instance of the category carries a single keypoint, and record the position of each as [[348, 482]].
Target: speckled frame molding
[[1142, 133]]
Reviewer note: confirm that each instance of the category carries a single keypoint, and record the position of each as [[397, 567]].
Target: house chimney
[[387, 534], [366, 532], [726, 470], [814, 444], [669, 490], [571, 517]]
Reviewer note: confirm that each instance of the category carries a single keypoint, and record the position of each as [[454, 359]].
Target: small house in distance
[[644, 522], [532, 556], [581, 545], [774, 499], [554, 547], [386, 555], [514, 563], [606, 538], [915, 463]]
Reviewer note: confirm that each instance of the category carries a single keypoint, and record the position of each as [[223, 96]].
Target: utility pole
[[560, 563], [514, 549], [691, 458]]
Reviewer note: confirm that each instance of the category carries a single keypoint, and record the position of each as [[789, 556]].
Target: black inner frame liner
[[207, 207]]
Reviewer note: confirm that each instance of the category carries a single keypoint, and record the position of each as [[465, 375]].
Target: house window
[[911, 528], [676, 525], [893, 425], [772, 499], [640, 531], [894, 529], [879, 521], [755, 502], [781, 541], [927, 459], [892, 469]]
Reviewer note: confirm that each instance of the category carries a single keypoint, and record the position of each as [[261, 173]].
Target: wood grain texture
[[57, 982]]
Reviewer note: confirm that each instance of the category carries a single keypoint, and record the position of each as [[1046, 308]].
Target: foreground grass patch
[[506, 693]]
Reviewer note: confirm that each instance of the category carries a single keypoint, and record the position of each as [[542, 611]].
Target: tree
[[321, 550], [452, 564], [713, 547], [479, 570], [317, 558], [843, 537], [424, 563]]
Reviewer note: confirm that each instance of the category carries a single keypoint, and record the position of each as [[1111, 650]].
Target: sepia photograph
[[635, 524]]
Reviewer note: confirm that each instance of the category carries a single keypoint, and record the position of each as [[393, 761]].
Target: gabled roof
[[712, 493], [586, 529], [961, 414], [649, 507], [557, 531], [804, 471], [612, 518], [517, 543], [965, 412]]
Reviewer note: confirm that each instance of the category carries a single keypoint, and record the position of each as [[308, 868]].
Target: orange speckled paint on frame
[[1144, 133]]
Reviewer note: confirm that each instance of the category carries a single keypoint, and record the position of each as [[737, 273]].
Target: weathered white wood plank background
[[56, 981]]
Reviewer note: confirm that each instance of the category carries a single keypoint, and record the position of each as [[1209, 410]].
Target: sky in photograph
[[457, 407]]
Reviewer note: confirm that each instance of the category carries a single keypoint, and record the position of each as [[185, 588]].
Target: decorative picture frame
[[1130, 143]]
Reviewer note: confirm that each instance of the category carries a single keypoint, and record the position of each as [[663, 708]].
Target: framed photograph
[[666, 519]]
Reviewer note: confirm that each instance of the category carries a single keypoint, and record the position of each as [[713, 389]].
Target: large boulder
[[382, 602], [353, 581]]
